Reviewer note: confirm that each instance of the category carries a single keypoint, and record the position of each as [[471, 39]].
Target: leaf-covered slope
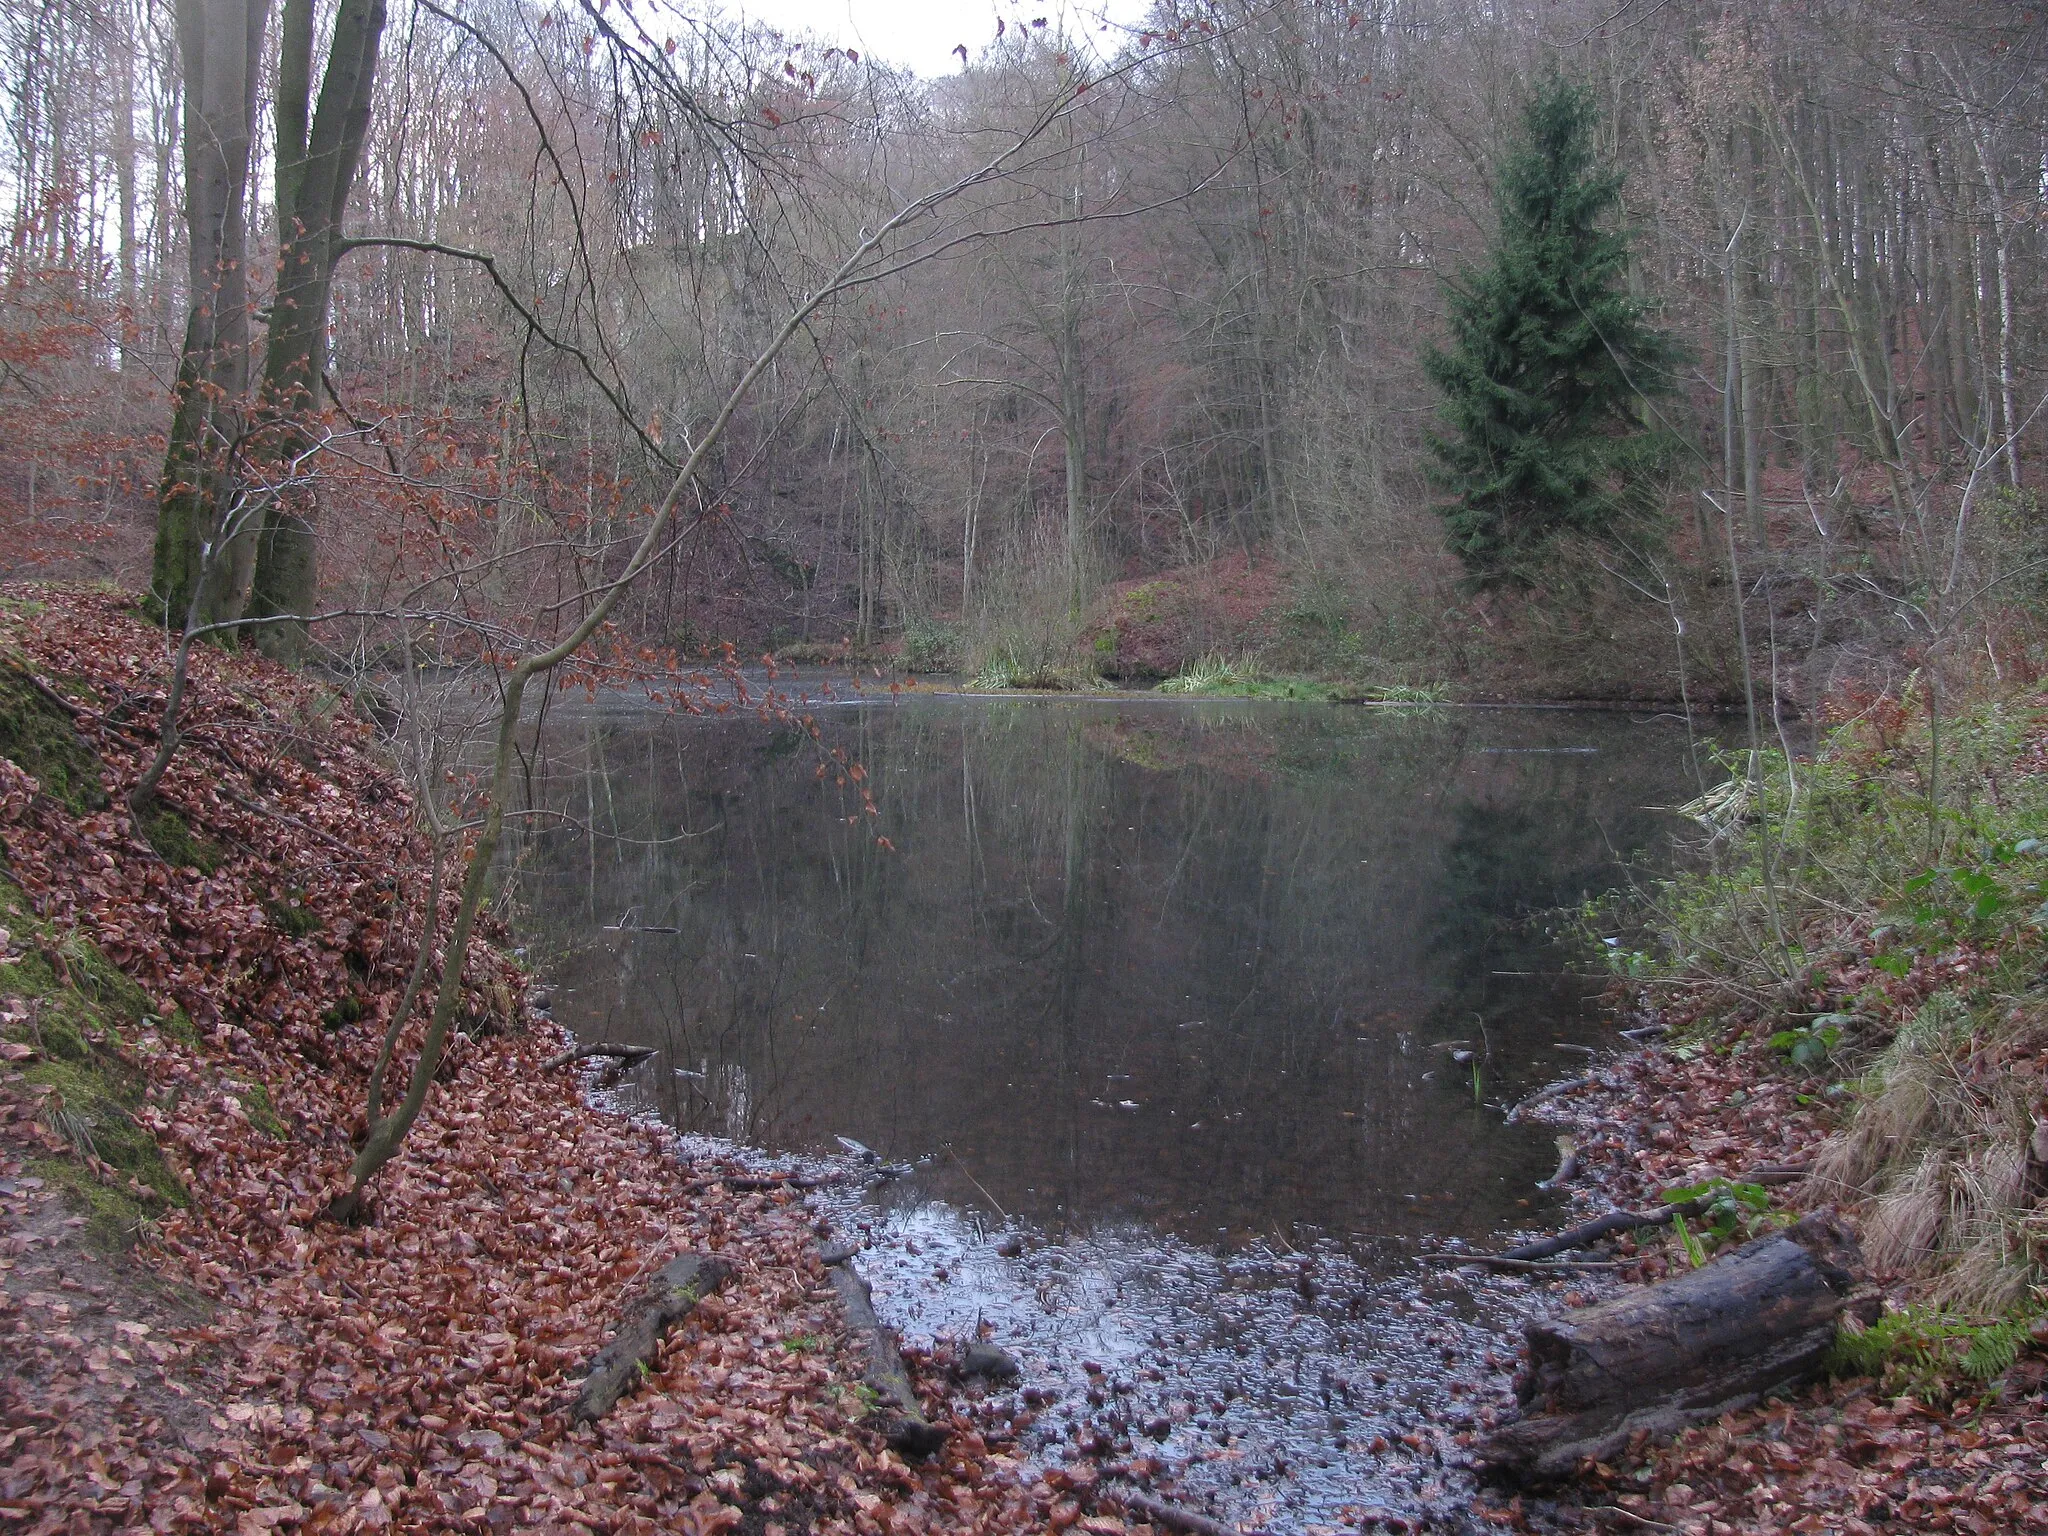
[[413, 1373]]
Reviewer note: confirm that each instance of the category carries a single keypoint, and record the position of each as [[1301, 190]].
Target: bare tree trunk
[[124, 177], [1073, 389], [1742, 293], [2001, 254], [316, 165], [977, 486], [221, 44]]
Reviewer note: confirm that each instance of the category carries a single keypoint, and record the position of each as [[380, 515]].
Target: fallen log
[[671, 1297], [625, 1055], [1545, 1095], [1600, 1226], [1658, 1358], [1170, 1517], [896, 1411]]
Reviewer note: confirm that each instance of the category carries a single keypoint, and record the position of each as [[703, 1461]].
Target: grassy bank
[[1237, 626], [1854, 980], [1873, 918]]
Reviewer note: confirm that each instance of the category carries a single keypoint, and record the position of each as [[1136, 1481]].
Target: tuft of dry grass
[[1937, 1151]]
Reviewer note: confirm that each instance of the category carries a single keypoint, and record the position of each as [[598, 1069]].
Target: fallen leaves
[[412, 1374]]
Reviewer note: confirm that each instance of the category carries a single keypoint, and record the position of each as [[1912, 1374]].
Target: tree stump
[[1658, 1358]]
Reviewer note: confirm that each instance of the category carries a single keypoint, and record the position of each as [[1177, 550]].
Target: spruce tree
[[1550, 356]]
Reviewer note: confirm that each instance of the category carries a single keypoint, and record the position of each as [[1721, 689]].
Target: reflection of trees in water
[[1062, 929], [1523, 849], [1504, 863]]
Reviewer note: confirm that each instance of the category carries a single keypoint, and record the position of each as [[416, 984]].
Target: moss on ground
[[78, 1003], [292, 915], [42, 740], [176, 843], [262, 1112]]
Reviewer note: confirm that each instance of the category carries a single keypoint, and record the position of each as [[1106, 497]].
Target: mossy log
[[1658, 1358], [673, 1296], [897, 1413]]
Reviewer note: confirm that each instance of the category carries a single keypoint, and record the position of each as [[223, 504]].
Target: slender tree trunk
[[124, 179], [1074, 427], [1731, 370], [977, 486], [1073, 391]]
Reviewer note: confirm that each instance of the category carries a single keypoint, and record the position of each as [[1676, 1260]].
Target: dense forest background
[[1154, 393]]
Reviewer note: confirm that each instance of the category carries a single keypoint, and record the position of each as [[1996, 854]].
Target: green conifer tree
[[1550, 357]]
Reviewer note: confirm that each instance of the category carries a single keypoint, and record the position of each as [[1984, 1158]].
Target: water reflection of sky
[[1173, 990]]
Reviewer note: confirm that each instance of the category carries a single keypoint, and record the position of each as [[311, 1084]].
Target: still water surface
[[1167, 989]]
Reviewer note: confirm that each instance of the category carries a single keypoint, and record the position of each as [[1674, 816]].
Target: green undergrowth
[[1935, 1354], [1419, 694], [929, 646], [79, 1004], [1216, 677], [1006, 671], [1876, 918]]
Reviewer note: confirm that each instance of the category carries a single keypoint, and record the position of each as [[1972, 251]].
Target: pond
[[1159, 997]]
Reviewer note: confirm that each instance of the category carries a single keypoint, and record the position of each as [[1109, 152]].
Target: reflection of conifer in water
[[1500, 868]]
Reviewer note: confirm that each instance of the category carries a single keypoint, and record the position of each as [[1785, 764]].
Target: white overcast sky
[[923, 33]]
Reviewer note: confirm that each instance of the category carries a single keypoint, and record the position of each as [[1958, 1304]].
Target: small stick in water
[[1567, 1163]]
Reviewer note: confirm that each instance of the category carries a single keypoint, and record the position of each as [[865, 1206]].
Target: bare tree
[[221, 45]]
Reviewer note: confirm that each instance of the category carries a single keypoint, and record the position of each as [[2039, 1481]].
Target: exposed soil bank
[[191, 1013]]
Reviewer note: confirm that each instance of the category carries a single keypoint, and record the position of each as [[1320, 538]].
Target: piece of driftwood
[[672, 1296], [1501, 1261], [1623, 1221], [754, 1184], [1567, 1164], [1600, 1226], [896, 1412], [1658, 1358], [1171, 1517], [624, 1055], [1545, 1095]]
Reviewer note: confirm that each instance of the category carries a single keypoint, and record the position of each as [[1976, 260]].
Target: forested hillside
[[1165, 312]]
